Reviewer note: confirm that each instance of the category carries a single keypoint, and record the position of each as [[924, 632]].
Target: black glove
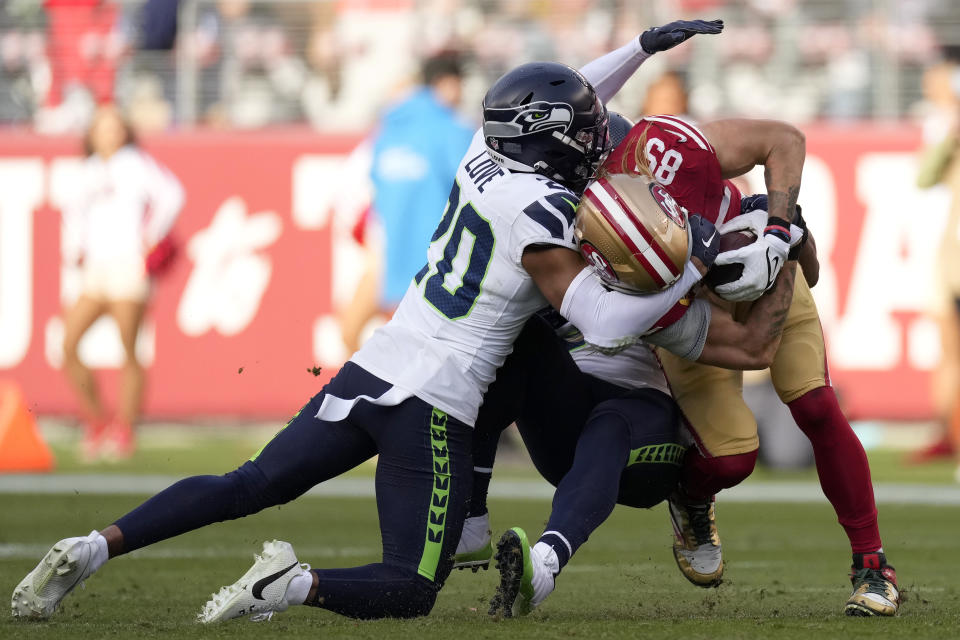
[[670, 35], [705, 239], [754, 202], [800, 222]]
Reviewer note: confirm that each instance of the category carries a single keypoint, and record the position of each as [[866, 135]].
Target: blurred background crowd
[[388, 92], [333, 64]]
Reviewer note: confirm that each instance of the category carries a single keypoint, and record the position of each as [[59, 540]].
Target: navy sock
[[485, 441], [478, 496]]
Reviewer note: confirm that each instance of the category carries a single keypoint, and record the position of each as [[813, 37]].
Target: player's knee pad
[[655, 454], [647, 484], [817, 411], [653, 469], [717, 473]]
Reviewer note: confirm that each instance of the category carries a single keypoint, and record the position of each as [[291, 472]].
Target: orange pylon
[[22, 448]]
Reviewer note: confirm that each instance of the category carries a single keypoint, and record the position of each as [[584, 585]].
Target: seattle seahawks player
[[503, 249]]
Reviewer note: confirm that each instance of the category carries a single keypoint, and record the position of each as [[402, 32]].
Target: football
[[722, 274], [735, 240]]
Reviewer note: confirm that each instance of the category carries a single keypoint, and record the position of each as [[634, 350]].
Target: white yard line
[[16, 551], [793, 492]]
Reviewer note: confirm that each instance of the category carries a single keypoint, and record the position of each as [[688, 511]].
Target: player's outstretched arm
[[610, 72], [608, 319]]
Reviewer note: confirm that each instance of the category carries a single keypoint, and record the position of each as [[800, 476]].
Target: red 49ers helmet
[[633, 232]]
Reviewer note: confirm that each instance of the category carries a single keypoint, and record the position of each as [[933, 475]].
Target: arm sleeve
[[687, 336], [609, 73], [610, 319], [165, 195]]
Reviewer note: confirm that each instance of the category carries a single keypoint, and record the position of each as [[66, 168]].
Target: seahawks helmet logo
[[512, 122]]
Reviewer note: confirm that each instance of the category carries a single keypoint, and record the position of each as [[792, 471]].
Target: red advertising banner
[[267, 253]]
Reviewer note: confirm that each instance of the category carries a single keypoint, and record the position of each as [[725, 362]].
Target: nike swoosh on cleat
[[262, 583]]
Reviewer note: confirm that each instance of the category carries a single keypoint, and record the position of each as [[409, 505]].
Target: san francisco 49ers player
[[598, 423], [692, 163]]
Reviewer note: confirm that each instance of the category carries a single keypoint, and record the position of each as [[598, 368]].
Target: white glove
[[761, 260]]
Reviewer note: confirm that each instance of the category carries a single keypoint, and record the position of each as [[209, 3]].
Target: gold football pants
[[711, 398]]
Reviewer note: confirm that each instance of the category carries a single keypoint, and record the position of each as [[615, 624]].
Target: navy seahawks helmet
[[545, 117]]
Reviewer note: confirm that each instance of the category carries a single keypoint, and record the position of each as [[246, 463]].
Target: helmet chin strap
[[509, 163], [541, 167]]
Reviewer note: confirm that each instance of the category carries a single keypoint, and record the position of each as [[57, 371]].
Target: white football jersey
[[634, 367], [462, 312]]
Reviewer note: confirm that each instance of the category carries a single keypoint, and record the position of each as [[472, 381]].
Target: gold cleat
[[875, 593], [696, 545]]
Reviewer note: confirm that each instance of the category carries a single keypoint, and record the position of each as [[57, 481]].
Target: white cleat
[[67, 564], [261, 591], [475, 547]]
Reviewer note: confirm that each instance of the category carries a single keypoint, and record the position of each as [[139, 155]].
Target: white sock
[[546, 566], [299, 588], [101, 555]]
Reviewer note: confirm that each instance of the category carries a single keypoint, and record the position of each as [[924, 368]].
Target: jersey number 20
[[454, 295]]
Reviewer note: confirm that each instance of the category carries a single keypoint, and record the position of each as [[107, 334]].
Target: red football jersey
[[681, 159]]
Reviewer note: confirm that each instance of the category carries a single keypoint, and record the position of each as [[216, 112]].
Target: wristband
[[779, 228]]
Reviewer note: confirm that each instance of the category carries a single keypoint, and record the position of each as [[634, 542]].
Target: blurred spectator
[[416, 150], [159, 25], [117, 229], [83, 50], [940, 163], [324, 55], [260, 78], [23, 62], [666, 94], [152, 77], [251, 63]]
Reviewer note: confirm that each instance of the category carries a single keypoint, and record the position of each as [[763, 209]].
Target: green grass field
[[785, 578]]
